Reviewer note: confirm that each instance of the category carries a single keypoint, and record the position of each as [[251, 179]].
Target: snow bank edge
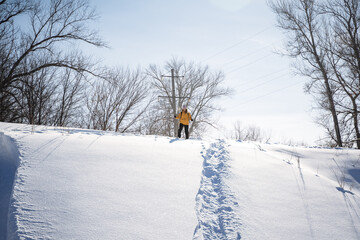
[[9, 162]]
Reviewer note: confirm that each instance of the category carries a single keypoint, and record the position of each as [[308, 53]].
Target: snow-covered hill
[[84, 184]]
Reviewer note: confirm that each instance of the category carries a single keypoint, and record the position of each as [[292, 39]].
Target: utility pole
[[173, 99], [174, 103]]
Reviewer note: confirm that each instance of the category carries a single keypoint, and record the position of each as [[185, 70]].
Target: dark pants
[[186, 130]]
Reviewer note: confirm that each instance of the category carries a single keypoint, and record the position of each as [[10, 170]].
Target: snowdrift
[[84, 184], [9, 161]]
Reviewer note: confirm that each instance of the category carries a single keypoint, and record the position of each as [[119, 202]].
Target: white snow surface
[[87, 184]]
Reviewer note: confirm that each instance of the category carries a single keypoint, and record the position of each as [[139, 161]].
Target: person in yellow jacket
[[185, 118]]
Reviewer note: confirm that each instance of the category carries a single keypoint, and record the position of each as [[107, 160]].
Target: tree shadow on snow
[[291, 153], [355, 173], [352, 208], [340, 189]]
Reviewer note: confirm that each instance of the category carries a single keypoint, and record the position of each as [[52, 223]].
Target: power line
[[236, 44], [259, 78], [265, 95], [264, 76], [269, 74], [250, 63], [263, 83], [249, 54]]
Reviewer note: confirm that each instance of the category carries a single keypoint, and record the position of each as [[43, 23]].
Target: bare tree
[[37, 97], [49, 97], [301, 20], [343, 54], [118, 101], [101, 106], [249, 133], [198, 90], [238, 131], [9, 11], [25, 51], [69, 97]]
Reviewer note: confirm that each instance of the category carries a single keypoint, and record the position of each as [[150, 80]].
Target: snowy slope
[[290, 199], [83, 184], [96, 185]]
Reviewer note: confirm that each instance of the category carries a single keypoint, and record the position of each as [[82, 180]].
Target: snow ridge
[[215, 203]]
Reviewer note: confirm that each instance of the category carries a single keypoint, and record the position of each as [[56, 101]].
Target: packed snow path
[[215, 203]]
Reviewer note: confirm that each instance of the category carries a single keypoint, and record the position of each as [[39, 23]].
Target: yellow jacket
[[184, 117]]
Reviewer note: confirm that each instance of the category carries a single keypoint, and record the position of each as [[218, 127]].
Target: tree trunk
[[333, 113], [356, 123]]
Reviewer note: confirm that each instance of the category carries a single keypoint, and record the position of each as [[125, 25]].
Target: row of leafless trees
[[242, 132], [39, 79], [45, 79], [140, 101], [323, 37]]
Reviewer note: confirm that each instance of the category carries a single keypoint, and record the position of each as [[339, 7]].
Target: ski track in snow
[[215, 203]]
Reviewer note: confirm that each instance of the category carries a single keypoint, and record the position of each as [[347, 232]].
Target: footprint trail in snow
[[215, 203]]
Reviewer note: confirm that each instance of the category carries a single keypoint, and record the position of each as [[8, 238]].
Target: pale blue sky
[[236, 36]]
